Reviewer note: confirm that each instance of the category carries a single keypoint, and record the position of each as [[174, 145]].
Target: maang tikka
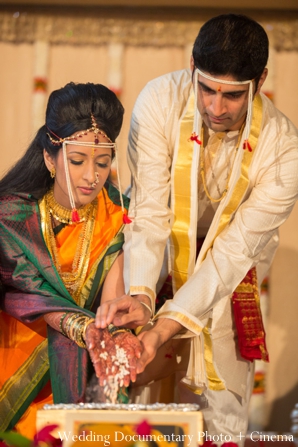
[[112, 145]]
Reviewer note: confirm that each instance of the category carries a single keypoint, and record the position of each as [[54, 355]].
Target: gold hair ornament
[[94, 128]]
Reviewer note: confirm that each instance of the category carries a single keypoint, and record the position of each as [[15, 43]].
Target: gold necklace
[[75, 279], [202, 166], [62, 214]]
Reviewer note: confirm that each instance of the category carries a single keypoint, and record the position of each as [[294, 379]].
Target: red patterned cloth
[[247, 313]]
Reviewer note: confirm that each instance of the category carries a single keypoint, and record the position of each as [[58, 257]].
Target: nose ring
[[96, 180]]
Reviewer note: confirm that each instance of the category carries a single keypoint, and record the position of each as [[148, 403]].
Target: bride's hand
[[114, 356]]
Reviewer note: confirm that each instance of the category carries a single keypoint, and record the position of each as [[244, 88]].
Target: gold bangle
[[73, 326], [91, 320], [81, 333], [78, 337], [76, 324], [77, 329], [115, 329], [69, 322]]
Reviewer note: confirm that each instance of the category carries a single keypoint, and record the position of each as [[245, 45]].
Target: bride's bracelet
[[116, 329], [91, 320], [75, 328]]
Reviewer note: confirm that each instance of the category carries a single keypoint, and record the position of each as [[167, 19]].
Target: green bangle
[[61, 323]]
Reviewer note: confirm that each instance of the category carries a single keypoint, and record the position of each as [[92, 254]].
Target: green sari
[[30, 286]]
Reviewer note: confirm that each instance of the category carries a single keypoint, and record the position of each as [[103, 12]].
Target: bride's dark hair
[[68, 111]]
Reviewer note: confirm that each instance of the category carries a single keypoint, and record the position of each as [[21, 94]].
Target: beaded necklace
[[75, 279], [202, 166]]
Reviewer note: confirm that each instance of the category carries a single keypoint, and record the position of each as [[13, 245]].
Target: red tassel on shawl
[[248, 319], [194, 137], [126, 219], [246, 145], [75, 216]]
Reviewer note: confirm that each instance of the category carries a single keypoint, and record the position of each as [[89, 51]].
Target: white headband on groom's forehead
[[198, 122], [222, 81]]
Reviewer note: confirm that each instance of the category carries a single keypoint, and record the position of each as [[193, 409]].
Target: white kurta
[[251, 237]]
